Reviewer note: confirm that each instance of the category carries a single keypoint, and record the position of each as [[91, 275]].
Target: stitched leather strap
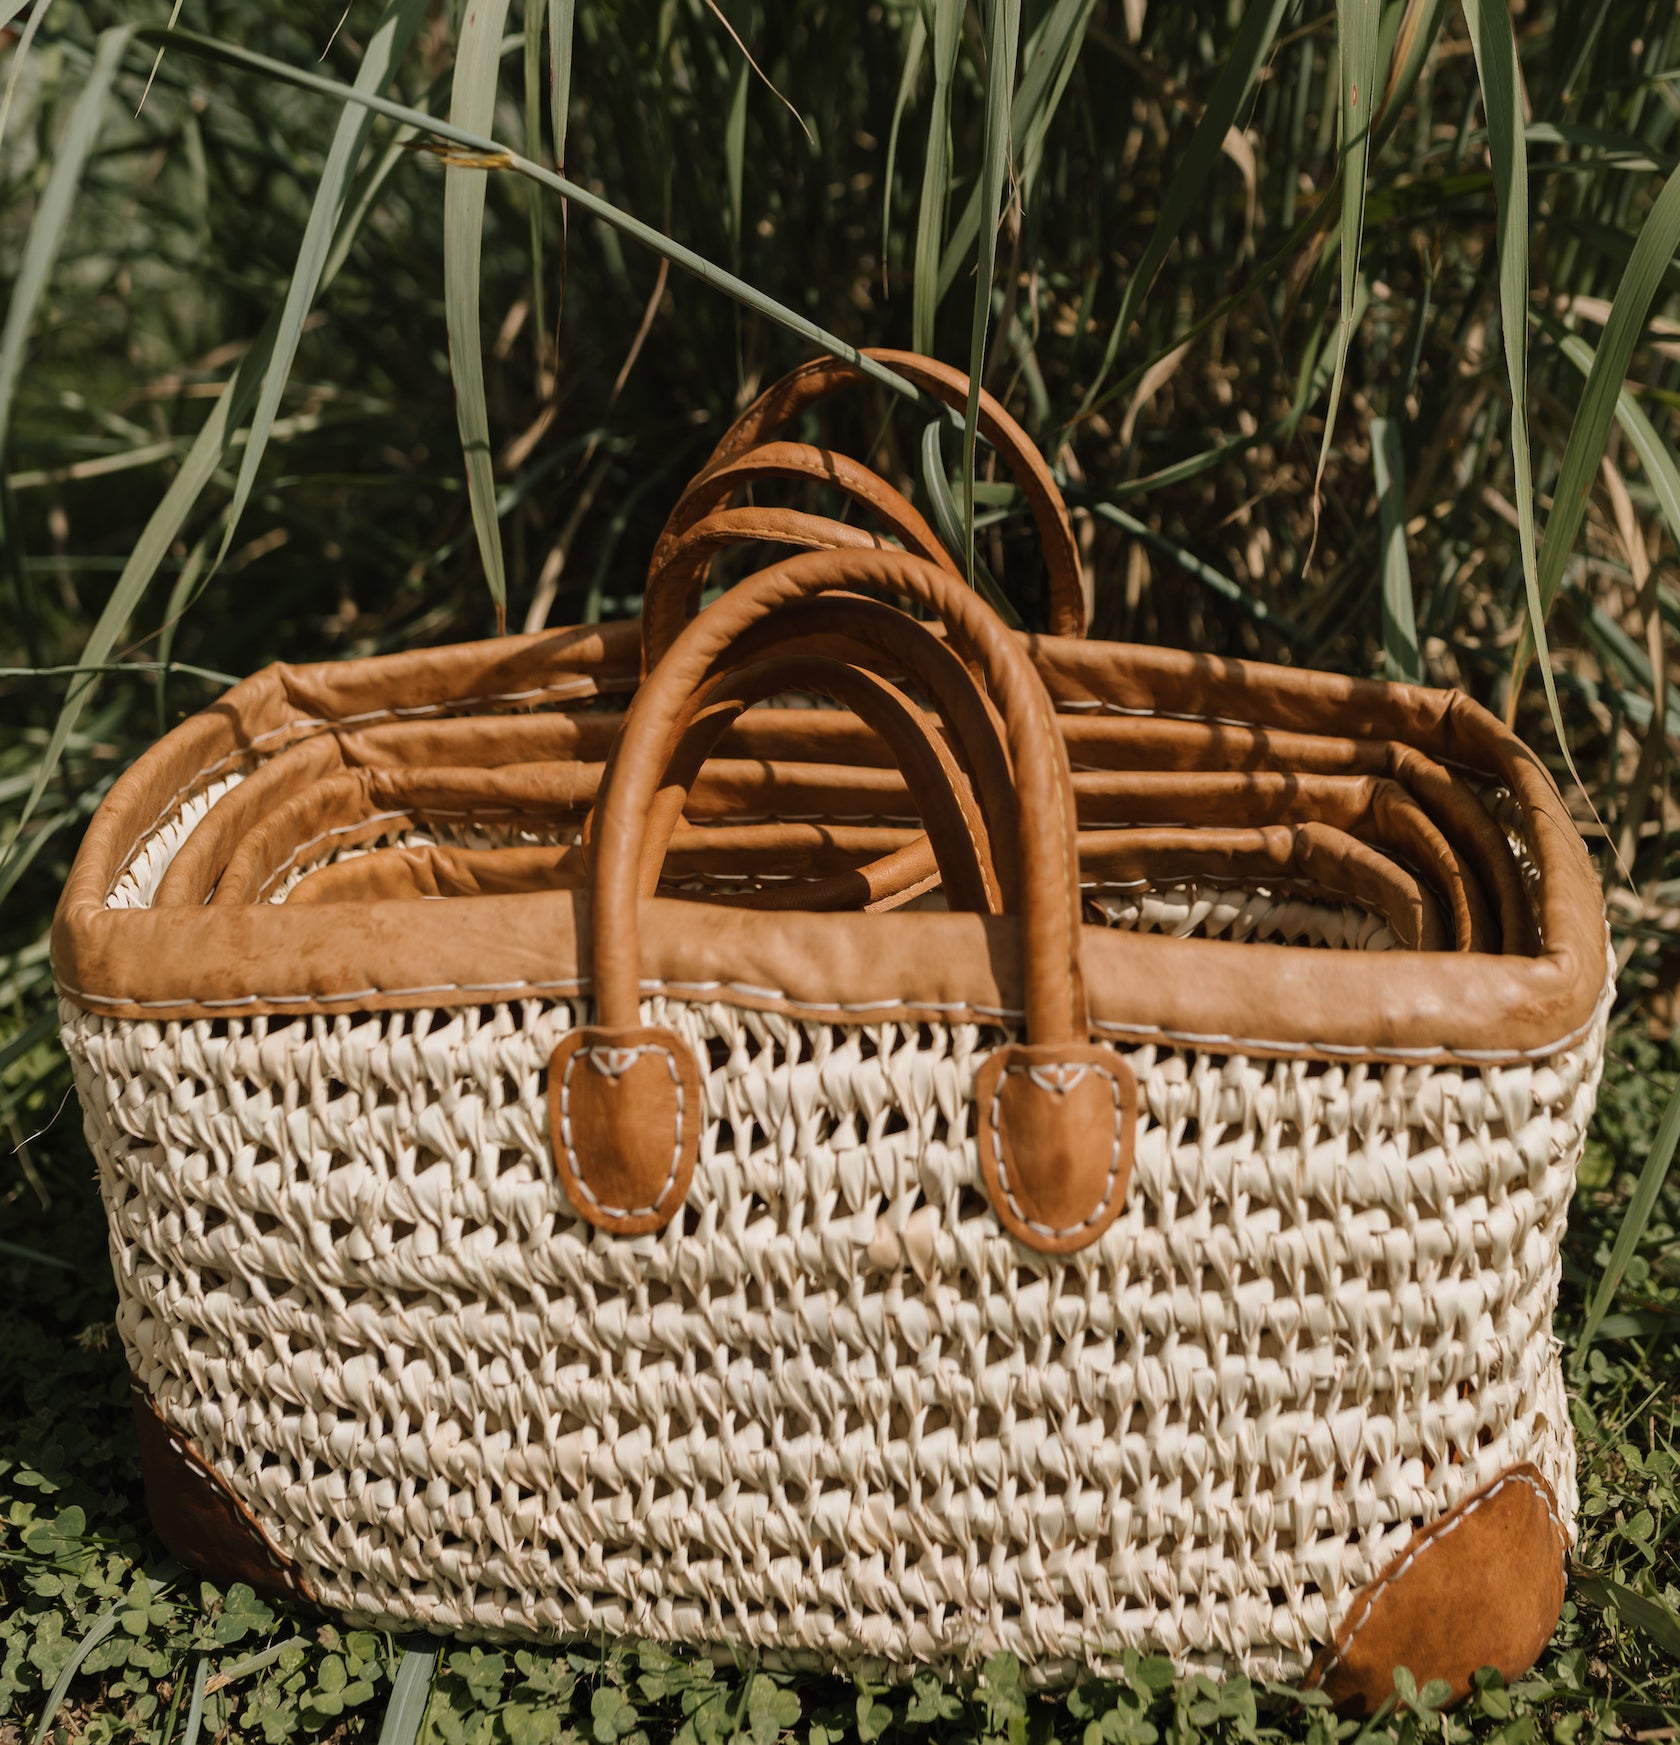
[[674, 580]]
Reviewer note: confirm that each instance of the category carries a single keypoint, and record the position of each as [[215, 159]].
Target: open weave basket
[[330, 957]]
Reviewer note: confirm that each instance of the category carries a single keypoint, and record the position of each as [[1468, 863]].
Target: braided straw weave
[[832, 1412]]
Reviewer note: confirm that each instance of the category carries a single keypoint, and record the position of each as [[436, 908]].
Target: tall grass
[[271, 383]]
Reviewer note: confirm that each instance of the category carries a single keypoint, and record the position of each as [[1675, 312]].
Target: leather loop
[[624, 1114], [673, 587], [702, 523]]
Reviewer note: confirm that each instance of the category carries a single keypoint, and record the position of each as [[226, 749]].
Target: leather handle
[[1055, 1115], [938, 787], [867, 633], [745, 452], [1046, 848]]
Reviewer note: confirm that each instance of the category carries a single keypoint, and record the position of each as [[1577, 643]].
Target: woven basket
[[1145, 1236]]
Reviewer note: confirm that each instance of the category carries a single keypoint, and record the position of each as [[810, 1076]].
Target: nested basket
[[1065, 1152]]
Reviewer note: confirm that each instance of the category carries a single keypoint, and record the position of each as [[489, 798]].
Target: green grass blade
[[1496, 67], [1231, 90], [735, 157], [1058, 42], [1634, 1220], [562, 14], [1659, 238], [1357, 32], [361, 199], [948, 520], [195, 1710], [1659, 1622], [46, 233], [101, 1627], [1051, 54], [151, 77], [260, 1661], [535, 17], [390, 40], [1003, 35], [936, 176], [411, 1690], [19, 55], [1660, 469], [1399, 617], [1419, 25], [478, 63], [203, 458], [915, 50]]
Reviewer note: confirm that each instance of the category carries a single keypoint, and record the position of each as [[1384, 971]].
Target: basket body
[[833, 1413]]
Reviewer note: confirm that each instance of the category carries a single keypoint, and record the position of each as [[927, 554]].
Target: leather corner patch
[[624, 1113], [197, 1516], [1482, 1586], [1057, 1127]]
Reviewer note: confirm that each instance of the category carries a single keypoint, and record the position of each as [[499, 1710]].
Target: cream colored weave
[[832, 1413]]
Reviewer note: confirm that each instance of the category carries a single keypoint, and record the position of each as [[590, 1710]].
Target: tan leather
[[702, 525], [867, 633], [1057, 1130], [824, 867], [1315, 858], [805, 854], [1043, 1117], [362, 805], [710, 491], [672, 590], [1047, 850], [158, 962], [248, 960], [938, 789], [1378, 810], [197, 1516], [1481, 1586], [624, 1121]]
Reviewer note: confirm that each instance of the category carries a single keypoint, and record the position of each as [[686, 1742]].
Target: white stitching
[[226, 1493], [960, 1011], [615, 1062], [1057, 1079], [1339, 1655], [578, 686], [279, 872]]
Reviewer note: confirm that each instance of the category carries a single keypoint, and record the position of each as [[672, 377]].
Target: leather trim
[[187, 961], [624, 1122], [197, 1515], [1481, 1586], [1057, 1130], [1214, 994]]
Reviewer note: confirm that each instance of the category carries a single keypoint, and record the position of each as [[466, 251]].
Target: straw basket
[[1064, 1152]]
